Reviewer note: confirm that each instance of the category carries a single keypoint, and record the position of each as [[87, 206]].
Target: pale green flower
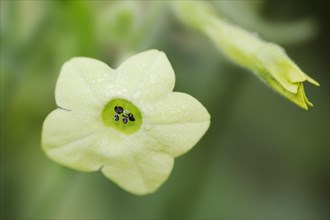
[[267, 60], [125, 122]]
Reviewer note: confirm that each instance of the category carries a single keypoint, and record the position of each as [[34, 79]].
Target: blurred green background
[[262, 158]]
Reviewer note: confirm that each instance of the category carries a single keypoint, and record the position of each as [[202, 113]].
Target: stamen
[[122, 115], [131, 117], [119, 109]]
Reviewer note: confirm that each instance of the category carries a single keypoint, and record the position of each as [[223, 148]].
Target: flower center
[[122, 115]]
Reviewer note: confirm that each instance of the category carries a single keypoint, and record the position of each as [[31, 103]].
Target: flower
[[125, 122], [267, 60]]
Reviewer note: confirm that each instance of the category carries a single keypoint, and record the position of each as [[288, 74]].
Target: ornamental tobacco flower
[[125, 122], [266, 60]]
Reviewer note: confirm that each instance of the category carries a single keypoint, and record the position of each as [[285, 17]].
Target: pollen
[[119, 109], [131, 117], [125, 120]]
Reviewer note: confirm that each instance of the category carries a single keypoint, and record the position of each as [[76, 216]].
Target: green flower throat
[[122, 115]]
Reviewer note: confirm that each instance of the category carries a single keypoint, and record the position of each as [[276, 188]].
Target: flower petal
[[84, 84], [140, 173], [132, 162], [177, 122], [276, 62], [298, 98], [71, 140], [147, 75], [83, 143]]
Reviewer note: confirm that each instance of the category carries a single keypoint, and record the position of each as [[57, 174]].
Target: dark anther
[[125, 120], [119, 109], [131, 117], [116, 117]]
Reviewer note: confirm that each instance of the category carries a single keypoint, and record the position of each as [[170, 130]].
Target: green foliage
[[261, 158]]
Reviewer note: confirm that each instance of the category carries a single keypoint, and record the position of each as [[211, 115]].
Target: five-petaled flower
[[125, 122]]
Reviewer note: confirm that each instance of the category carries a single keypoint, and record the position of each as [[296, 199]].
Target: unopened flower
[[125, 122], [268, 61]]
